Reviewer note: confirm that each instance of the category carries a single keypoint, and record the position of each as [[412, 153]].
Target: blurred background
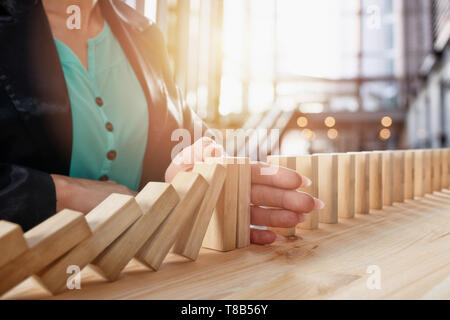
[[331, 75]]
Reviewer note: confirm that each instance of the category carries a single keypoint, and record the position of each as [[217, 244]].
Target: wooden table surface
[[409, 242]]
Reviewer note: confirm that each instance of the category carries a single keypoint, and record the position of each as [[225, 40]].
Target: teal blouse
[[109, 112]]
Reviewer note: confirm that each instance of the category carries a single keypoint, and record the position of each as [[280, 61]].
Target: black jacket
[[35, 114]]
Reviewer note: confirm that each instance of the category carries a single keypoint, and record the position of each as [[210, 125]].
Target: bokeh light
[[330, 122]]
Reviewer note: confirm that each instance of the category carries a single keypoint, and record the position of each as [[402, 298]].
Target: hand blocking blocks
[[209, 206]]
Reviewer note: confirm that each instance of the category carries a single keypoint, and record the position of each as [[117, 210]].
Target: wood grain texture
[[190, 240], [398, 180], [428, 171], [387, 162], [346, 185], [419, 174], [107, 222], [409, 242], [409, 174], [191, 188], [326, 177], [437, 166], [222, 229], [47, 242], [12, 242], [361, 182], [244, 200], [375, 181], [156, 201], [445, 158]]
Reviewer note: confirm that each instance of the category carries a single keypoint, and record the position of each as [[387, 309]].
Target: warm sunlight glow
[[302, 122]]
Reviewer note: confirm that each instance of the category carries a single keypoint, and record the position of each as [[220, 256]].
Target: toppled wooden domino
[[191, 188], [156, 200], [107, 222], [222, 229], [12, 242], [190, 241], [45, 243]]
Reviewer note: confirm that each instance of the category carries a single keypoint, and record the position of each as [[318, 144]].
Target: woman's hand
[[82, 194], [276, 190]]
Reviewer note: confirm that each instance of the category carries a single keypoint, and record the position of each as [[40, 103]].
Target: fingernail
[[306, 182], [279, 237], [318, 204]]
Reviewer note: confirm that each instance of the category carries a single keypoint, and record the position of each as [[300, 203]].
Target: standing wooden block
[[375, 181], [107, 222], [436, 174], [419, 177], [156, 201], [306, 166], [346, 185], [191, 188], [244, 199], [361, 182], [221, 232], [428, 171], [46, 242], [387, 167], [327, 186], [287, 162], [12, 242], [409, 175], [190, 241], [445, 182], [398, 188]]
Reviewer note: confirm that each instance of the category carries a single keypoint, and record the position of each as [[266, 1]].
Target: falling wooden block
[[445, 182], [419, 177], [222, 229], [191, 238], [307, 166], [346, 185], [107, 222], [409, 174], [436, 174], [191, 188], [156, 201], [375, 181], [361, 182], [387, 167], [46, 242], [326, 177], [290, 163], [12, 242], [428, 171]]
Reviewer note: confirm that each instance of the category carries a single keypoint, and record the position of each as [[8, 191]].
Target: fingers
[[262, 236], [275, 217], [292, 200], [184, 161], [271, 175]]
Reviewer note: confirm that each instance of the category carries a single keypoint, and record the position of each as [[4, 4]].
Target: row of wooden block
[[209, 206], [357, 182]]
